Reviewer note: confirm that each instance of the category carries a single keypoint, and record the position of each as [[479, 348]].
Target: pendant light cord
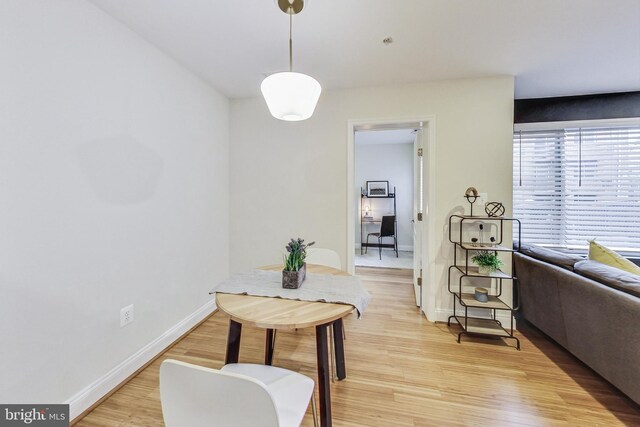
[[290, 39]]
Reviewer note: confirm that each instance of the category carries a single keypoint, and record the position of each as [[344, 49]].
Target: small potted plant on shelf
[[295, 269], [487, 262]]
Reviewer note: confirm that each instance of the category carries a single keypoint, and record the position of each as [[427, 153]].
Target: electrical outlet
[[126, 315]]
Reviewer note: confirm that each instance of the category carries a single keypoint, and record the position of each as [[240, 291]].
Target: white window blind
[[578, 183]]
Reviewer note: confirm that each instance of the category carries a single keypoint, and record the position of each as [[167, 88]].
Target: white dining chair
[[238, 395], [322, 256]]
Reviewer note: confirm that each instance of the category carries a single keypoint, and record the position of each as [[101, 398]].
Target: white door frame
[[429, 290]]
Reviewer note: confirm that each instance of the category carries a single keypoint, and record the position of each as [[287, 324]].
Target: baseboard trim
[[97, 392], [442, 315]]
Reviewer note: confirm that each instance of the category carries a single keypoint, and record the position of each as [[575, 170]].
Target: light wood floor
[[405, 371]]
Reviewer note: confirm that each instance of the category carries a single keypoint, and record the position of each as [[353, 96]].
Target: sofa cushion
[[609, 276], [560, 259], [602, 254]]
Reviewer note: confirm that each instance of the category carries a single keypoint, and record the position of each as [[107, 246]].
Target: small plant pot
[[483, 269], [294, 279], [481, 294]]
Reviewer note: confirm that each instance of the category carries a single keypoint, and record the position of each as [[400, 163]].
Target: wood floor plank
[[404, 371]]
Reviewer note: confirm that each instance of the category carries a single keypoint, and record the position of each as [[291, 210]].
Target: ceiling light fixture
[[291, 96]]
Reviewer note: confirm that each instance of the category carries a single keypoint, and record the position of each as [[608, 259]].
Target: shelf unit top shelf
[[364, 195], [486, 218]]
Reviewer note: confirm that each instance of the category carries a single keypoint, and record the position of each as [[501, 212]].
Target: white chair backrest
[[195, 396], [322, 256]]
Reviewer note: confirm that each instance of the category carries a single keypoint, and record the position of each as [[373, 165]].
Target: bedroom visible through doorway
[[384, 190]]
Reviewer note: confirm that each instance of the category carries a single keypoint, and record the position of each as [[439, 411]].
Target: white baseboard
[[442, 315], [408, 248], [84, 399]]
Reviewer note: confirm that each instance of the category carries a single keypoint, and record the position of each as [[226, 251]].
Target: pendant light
[[291, 96]]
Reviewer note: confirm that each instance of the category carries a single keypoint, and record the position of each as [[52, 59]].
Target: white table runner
[[316, 287]]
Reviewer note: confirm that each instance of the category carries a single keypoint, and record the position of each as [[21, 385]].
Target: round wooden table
[[278, 313]]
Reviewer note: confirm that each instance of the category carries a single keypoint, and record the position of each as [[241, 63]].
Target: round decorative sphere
[[494, 209]]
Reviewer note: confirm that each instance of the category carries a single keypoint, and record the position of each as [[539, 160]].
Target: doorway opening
[[371, 198], [384, 184]]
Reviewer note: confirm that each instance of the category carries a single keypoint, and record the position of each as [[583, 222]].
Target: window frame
[[562, 126]]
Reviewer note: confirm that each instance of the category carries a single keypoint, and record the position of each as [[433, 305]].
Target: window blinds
[[578, 183]]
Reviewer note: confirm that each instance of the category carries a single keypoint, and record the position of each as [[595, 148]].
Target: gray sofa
[[590, 309]]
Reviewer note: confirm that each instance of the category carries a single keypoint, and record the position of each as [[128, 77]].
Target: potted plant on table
[[295, 269], [487, 262]]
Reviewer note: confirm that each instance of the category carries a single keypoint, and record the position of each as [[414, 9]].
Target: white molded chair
[[322, 256], [238, 395]]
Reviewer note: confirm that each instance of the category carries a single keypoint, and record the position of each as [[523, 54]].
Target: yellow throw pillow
[[604, 255]]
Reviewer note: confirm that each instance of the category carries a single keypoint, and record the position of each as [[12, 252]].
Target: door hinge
[[420, 281], [419, 216], [419, 152]]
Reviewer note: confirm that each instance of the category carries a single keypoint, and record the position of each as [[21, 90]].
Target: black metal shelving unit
[[363, 221], [482, 326]]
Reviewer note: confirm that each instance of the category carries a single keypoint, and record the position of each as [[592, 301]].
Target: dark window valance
[[584, 107]]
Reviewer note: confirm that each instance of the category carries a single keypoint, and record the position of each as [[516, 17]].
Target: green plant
[[487, 259], [297, 252]]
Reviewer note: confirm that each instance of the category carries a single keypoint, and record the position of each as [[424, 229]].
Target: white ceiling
[[553, 47], [377, 137]]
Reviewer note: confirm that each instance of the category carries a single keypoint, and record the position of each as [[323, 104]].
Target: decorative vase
[[481, 294], [484, 269], [294, 279]]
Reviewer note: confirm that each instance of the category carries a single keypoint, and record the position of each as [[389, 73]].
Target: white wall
[[114, 191], [393, 163], [290, 179]]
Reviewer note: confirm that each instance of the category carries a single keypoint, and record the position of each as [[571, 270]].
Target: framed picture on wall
[[377, 188]]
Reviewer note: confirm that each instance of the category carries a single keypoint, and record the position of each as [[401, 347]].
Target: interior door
[[418, 204]]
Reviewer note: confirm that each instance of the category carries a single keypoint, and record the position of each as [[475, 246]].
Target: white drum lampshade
[[291, 96]]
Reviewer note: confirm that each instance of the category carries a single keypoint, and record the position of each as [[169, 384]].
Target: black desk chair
[[387, 229]]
